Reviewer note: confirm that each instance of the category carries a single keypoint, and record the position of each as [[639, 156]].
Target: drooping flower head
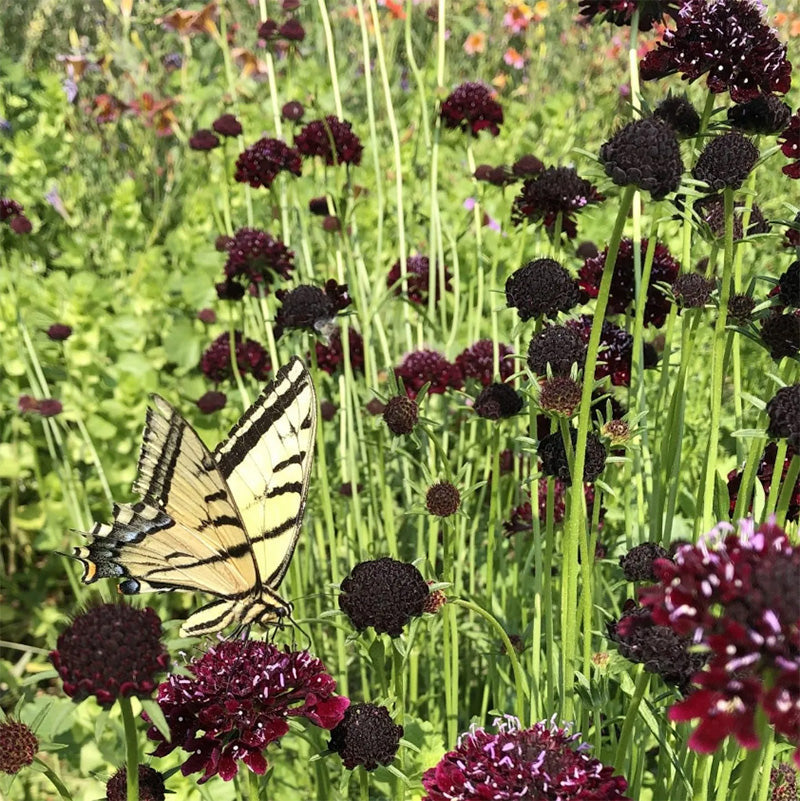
[[332, 140], [259, 164], [620, 12], [789, 140], [423, 366], [251, 358], [255, 261], [472, 108], [234, 701], [366, 736], [544, 762], [726, 40], [418, 277], [477, 361]]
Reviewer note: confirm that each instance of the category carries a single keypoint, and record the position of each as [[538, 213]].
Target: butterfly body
[[224, 522]]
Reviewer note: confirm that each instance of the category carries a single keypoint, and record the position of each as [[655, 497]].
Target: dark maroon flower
[[616, 349], [292, 111], [203, 140], [527, 165], [9, 208], [727, 40], [740, 309], [255, 261], [151, 785], [553, 191], [620, 12], [20, 224], [735, 595], [497, 176], [45, 407], [207, 316], [330, 357], [18, 746], [559, 348], [400, 415], [542, 288], [331, 139], [234, 702], [680, 114], [637, 564], [521, 519], [692, 290], [27, 403], [553, 454], [251, 358], [58, 332], [764, 474], [544, 763], [268, 30], [780, 334], [442, 499], [784, 415], [212, 402], [726, 161], [789, 141], [310, 307], [259, 164], [472, 108], [427, 366], [418, 279], [110, 651], [384, 594], [292, 30], [789, 285], [366, 736], [227, 125], [766, 114], [320, 206], [665, 269], [711, 210], [560, 395], [497, 401], [477, 361]]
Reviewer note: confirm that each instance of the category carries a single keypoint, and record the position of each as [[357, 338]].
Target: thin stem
[[131, 748]]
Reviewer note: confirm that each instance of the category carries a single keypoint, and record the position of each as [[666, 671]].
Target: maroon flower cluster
[[255, 260], [735, 594], [423, 366], [789, 141], [251, 358], [476, 361], [418, 279], [616, 349], [259, 164], [11, 212], [521, 518], [620, 12], [234, 702], [764, 475], [331, 139], [331, 356], [472, 108]]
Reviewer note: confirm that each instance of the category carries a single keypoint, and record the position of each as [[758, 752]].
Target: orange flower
[[187, 23], [394, 8], [249, 63], [475, 43], [514, 59]]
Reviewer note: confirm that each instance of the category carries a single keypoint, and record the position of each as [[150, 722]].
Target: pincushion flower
[[620, 12], [477, 361], [255, 261], [332, 140], [472, 108], [251, 358], [18, 746], [418, 279], [311, 307], [424, 366], [764, 475], [259, 164], [366, 736], [330, 355], [234, 700], [735, 594], [789, 141]]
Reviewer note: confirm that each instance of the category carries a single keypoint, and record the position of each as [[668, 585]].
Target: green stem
[[54, 780], [642, 683], [131, 748]]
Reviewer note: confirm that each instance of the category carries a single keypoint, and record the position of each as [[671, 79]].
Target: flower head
[[616, 349], [789, 140], [477, 361], [428, 366], [620, 12], [418, 277], [521, 519], [765, 114], [255, 261], [780, 333], [711, 210], [330, 356], [234, 701], [637, 564], [58, 332], [740, 308], [442, 499], [726, 161], [292, 30], [544, 762], [384, 594], [211, 402], [366, 736], [203, 140], [227, 125], [788, 285], [542, 288], [559, 348], [110, 651], [554, 456], [259, 164], [251, 358], [764, 476], [331, 139], [310, 307], [560, 395], [472, 108], [151, 785], [18, 746], [292, 111], [726, 40], [679, 114], [400, 415], [692, 290], [784, 415], [497, 401]]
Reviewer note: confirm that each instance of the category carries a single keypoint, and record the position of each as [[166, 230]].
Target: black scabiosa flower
[[58, 332], [424, 366], [544, 762], [554, 190], [726, 161], [442, 499], [557, 346], [497, 401], [692, 290], [764, 475], [400, 415], [766, 114], [384, 594], [637, 564], [151, 785], [780, 334], [645, 153], [292, 30], [418, 279], [726, 40], [211, 402], [527, 165], [711, 210], [620, 12], [789, 140], [255, 261], [259, 164], [477, 361], [560, 395], [665, 269], [542, 288], [251, 358], [234, 701], [203, 140], [227, 125], [616, 349], [521, 519], [330, 356], [554, 456], [310, 307], [292, 111], [18, 746], [784, 415], [110, 651], [679, 114], [332, 140], [788, 285], [740, 309], [366, 736], [472, 108], [9, 208]]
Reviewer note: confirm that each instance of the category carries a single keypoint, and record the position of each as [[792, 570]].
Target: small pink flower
[[475, 43], [514, 58]]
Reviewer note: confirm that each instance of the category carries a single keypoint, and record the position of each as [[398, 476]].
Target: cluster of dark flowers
[[12, 213]]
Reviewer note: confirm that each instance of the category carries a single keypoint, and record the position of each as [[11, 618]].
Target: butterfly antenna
[[299, 628]]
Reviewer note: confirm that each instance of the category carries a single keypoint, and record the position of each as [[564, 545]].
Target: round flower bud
[[400, 414], [542, 288], [740, 309], [726, 161], [442, 499], [203, 140], [227, 125], [497, 401], [692, 290], [637, 564], [679, 114], [557, 346], [212, 402], [292, 111], [366, 736], [560, 395], [59, 332], [766, 114]]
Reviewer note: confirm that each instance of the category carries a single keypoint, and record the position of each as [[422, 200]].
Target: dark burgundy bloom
[[418, 279], [310, 307], [542, 288], [645, 154], [259, 164], [497, 176], [332, 140], [789, 141], [559, 348], [207, 316], [553, 454], [497, 401], [764, 474], [251, 358], [330, 357], [151, 785], [789, 285], [292, 111], [255, 261], [18, 746], [477, 361], [320, 206], [400, 415], [203, 140], [680, 114], [20, 224], [692, 290], [527, 165], [711, 210], [268, 30], [521, 519], [780, 334], [45, 407], [442, 499], [553, 191], [58, 332], [544, 763], [384, 594], [740, 309], [616, 349], [560, 395], [726, 161], [235, 701], [665, 269], [637, 564], [620, 12], [212, 402], [428, 366], [784, 415], [766, 114], [472, 108], [727, 40], [292, 30], [227, 125], [735, 595], [9, 208], [110, 651], [366, 736]]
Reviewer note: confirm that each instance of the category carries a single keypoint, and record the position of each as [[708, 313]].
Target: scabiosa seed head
[[788, 285], [442, 499], [251, 358], [18, 746], [436, 600], [384, 594], [765, 114], [557, 346], [366, 736], [637, 564], [259, 164], [255, 261], [780, 333], [644, 153], [110, 651], [679, 114], [542, 288], [472, 108], [418, 279], [554, 190], [783, 783], [424, 366], [711, 211], [292, 111], [497, 401], [227, 125], [58, 332], [151, 785], [617, 431], [789, 140], [330, 356], [203, 140], [784, 415], [332, 140], [692, 290], [234, 702], [310, 307], [544, 762], [400, 415], [726, 161], [620, 12], [560, 395], [554, 456], [212, 402], [740, 309], [477, 361]]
